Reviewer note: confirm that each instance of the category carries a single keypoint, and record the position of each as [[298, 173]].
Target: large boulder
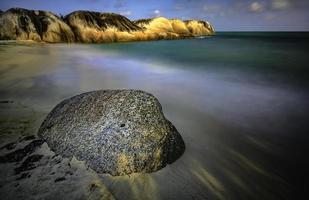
[[115, 131], [37, 25]]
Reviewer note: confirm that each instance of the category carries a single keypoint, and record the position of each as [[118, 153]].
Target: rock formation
[[115, 131], [174, 28], [23, 24], [100, 27], [94, 27], [198, 27]]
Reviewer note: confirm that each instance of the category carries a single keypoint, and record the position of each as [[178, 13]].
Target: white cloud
[[256, 7], [157, 13], [280, 4], [126, 13]]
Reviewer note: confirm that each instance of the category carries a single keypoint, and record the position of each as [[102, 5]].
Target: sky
[[225, 15]]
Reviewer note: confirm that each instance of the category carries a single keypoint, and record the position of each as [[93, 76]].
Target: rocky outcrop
[[109, 27], [23, 24], [100, 27], [94, 27], [175, 28], [115, 131], [199, 28]]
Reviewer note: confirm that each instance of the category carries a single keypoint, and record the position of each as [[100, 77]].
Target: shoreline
[[118, 42]]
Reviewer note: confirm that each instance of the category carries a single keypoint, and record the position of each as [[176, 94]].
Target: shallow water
[[239, 100]]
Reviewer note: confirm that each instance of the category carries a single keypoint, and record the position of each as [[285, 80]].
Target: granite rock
[[115, 131], [36, 25], [96, 27]]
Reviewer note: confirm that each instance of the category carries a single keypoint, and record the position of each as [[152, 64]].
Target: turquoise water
[[281, 54], [239, 100]]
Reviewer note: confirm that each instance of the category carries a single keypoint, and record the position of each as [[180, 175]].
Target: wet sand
[[245, 138]]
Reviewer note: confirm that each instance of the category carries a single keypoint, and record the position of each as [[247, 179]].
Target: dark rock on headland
[[37, 25], [115, 131]]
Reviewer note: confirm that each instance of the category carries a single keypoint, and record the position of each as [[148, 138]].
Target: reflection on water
[[245, 134]]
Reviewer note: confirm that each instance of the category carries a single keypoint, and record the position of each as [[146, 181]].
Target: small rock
[[28, 164], [19, 154], [60, 179], [23, 176], [6, 101], [30, 137], [9, 146]]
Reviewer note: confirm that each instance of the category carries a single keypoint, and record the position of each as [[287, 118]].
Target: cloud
[[126, 12], [157, 13], [280, 4], [256, 7]]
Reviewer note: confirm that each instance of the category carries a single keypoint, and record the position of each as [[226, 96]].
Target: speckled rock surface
[[115, 131]]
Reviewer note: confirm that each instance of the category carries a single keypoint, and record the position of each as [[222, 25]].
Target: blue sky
[[225, 15]]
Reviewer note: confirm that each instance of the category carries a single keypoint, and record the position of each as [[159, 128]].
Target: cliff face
[[22, 24], [94, 27]]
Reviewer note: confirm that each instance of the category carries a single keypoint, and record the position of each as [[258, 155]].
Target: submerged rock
[[115, 131]]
